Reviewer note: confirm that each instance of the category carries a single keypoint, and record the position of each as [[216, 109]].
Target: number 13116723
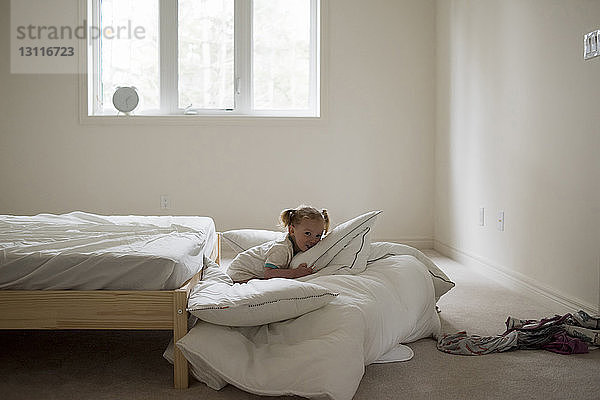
[[53, 51]]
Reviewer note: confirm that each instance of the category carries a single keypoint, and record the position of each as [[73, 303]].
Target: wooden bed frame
[[105, 309]]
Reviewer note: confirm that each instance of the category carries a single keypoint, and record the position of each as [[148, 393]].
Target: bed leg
[[219, 244], [180, 364]]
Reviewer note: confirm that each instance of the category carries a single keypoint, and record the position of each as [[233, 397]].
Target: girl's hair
[[293, 216]]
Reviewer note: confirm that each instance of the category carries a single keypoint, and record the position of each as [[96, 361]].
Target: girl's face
[[307, 233]]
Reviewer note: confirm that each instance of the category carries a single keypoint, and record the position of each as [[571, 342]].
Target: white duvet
[[322, 354], [85, 251]]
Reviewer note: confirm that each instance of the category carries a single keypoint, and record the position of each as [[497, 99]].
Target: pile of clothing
[[564, 334]]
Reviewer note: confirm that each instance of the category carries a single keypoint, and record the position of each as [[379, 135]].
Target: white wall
[[518, 131], [374, 149]]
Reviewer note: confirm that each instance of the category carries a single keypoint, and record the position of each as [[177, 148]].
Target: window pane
[[281, 54], [130, 57], [206, 57]]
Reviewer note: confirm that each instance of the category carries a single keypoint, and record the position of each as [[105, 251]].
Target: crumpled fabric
[[585, 320], [535, 334], [591, 336], [564, 344], [566, 334], [461, 343]]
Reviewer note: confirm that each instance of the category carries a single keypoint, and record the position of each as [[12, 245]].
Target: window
[[206, 57]]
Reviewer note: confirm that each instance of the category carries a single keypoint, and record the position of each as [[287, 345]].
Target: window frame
[[169, 110]]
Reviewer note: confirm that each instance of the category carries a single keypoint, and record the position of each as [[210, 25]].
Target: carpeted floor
[[129, 365]]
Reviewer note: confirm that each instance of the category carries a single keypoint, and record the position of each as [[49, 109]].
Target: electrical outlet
[[500, 221], [164, 202], [591, 45]]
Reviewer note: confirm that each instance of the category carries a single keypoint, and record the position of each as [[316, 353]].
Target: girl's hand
[[303, 270], [292, 273]]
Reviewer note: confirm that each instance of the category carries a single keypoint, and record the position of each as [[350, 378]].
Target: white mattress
[[321, 354], [82, 251]]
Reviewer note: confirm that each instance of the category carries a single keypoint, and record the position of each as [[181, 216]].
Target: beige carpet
[[129, 365]]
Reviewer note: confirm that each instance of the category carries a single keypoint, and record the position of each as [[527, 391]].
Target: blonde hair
[[293, 216]]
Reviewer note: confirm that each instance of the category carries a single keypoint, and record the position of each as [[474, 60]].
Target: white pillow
[[243, 239], [247, 264], [344, 250], [441, 283], [216, 300]]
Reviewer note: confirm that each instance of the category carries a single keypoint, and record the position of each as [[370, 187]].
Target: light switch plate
[[591, 45], [165, 202]]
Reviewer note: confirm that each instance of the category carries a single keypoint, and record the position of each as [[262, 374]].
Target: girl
[[306, 226]]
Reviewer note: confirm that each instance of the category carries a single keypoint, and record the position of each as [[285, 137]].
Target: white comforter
[[321, 354], [85, 251]]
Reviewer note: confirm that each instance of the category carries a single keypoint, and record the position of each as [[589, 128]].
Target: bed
[[87, 271], [312, 336]]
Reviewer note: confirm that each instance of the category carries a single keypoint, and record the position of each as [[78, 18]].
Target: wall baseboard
[[516, 280]]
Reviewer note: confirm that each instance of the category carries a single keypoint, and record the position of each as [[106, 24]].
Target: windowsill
[[183, 120]]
